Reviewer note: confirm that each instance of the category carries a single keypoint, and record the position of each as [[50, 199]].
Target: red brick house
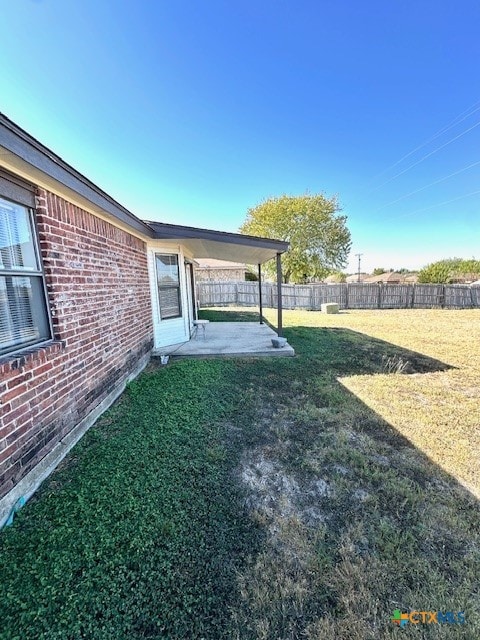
[[87, 291]]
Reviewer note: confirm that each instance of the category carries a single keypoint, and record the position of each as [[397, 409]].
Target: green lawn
[[265, 499]]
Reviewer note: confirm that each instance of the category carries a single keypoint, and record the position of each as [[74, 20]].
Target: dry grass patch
[[343, 468], [356, 525], [438, 412]]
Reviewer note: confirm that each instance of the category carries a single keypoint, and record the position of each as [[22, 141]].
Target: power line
[[411, 193], [427, 156], [433, 206], [453, 123]]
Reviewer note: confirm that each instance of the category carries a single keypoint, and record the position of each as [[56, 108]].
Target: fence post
[[379, 295], [346, 295], [442, 297], [279, 296]]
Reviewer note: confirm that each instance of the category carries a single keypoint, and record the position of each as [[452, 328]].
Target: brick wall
[[97, 283]]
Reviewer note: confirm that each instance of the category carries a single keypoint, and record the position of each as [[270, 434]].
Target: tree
[[337, 276], [378, 271], [318, 236], [446, 271]]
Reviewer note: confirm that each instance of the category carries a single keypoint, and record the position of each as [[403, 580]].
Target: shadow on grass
[[354, 353], [365, 522], [371, 355], [249, 498]]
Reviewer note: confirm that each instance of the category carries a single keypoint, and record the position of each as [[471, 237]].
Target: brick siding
[[98, 291]]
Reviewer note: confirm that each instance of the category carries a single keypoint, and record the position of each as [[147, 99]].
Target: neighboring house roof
[[354, 277], [390, 277], [332, 279], [22, 154], [464, 278]]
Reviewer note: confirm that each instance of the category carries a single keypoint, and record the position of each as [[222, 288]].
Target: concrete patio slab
[[229, 339]]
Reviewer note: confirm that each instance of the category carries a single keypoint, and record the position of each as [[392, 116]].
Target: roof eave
[[17, 141], [43, 161], [165, 231]]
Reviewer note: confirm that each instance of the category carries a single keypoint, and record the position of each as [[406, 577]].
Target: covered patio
[[226, 338]]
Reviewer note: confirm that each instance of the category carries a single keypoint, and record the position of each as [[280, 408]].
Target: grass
[[304, 497], [438, 411], [139, 534]]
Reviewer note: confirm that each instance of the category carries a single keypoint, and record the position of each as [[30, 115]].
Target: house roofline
[[164, 231], [31, 151], [17, 141]]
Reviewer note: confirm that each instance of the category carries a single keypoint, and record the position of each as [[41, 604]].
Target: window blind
[[168, 279], [23, 312]]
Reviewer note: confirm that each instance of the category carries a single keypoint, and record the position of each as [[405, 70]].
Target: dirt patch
[[273, 493]]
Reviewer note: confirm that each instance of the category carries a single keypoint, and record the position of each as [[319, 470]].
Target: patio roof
[[24, 155], [207, 243]]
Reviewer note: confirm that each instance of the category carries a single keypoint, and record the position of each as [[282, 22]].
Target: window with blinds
[[23, 312], [168, 280]]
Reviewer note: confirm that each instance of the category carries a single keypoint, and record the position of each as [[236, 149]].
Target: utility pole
[[359, 256]]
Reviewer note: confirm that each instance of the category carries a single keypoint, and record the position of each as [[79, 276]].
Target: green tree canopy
[[319, 238], [448, 270], [378, 271], [337, 276]]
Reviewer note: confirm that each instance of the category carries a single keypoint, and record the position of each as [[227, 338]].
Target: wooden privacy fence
[[348, 296]]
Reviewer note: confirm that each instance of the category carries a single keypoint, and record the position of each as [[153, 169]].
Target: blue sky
[[192, 112]]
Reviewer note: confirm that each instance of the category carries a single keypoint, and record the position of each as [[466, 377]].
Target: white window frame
[[40, 308], [165, 287]]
